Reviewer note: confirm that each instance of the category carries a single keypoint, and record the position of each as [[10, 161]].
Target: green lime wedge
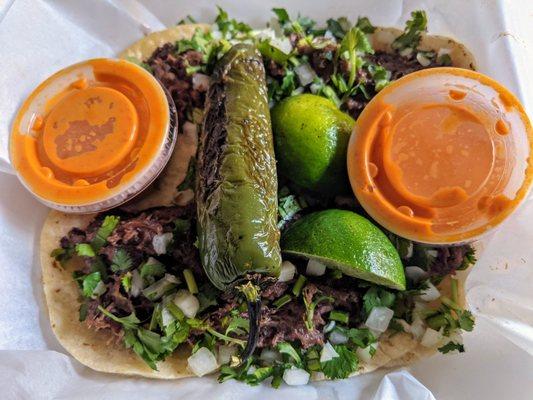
[[346, 241]]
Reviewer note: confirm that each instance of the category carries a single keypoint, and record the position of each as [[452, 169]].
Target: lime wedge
[[346, 241]]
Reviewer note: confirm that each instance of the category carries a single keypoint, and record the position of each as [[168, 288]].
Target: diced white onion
[[337, 337], [299, 90], [423, 60], [418, 327], [136, 283], [430, 293], [329, 327], [420, 309], [328, 353], [160, 242], [443, 51], [282, 43], [166, 317], [202, 362], [305, 73], [251, 369], [416, 274], [269, 356], [200, 82], [315, 87], [287, 271], [379, 318], [315, 268], [99, 289], [406, 52], [432, 253], [187, 302], [296, 376], [431, 338], [364, 354], [410, 249], [328, 34], [225, 352]]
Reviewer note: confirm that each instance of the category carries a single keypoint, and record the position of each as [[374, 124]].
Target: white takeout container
[[38, 37]]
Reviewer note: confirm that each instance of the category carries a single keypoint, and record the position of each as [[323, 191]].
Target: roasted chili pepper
[[236, 180]]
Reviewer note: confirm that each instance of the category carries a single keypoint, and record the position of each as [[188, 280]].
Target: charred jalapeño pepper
[[236, 180]]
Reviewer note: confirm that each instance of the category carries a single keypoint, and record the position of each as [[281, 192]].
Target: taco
[[126, 291]]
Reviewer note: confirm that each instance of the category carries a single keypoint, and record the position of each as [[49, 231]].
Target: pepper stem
[[253, 301]]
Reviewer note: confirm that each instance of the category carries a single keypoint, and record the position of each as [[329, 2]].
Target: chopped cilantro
[[377, 297], [129, 322], [84, 250], [108, 226], [288, 350], [414, 27], [121, 261], [238, 325], [364, 24], [92, 285], [342, 366], [452, 346], [125, 281]]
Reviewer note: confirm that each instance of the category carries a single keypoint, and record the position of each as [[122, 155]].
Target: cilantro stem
[[450, 303], [221, 336], [191, 282], [282, 301], [455, 289], [339, 316], [297, 289]]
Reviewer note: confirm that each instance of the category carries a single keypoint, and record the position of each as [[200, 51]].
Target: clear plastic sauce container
[[441, 156], [93, 135]]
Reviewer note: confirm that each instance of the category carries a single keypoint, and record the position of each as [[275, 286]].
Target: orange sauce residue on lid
[[94, 128], [445, 156]]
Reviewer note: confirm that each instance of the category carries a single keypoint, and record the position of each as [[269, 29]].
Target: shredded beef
[[448, 260], [74, 237], [321, 61], [396, 64], [98, 321], [170, 69], [287, 324]]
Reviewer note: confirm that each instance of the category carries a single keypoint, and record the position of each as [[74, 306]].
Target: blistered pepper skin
[[236, 179]]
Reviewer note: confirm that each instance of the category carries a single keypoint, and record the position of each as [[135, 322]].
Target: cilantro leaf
[[92, 285], [452, 346], [62, 256], [364, 24], [377, 297], [108, 226], [85, 250], [338, 27], [125, 281], [342, 366], [282, 14], [359, 337], [151, 270], [466, 320], [238, 325], [286, 348], [414, 27], [161, 287], [129, 322], [121, 261], [271, 52]]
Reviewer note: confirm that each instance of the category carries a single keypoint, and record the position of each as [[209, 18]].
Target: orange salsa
[[90, 134], [441, 155]]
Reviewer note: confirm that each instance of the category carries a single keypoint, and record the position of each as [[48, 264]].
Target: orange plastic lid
[[441, 155], [93, 135]]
